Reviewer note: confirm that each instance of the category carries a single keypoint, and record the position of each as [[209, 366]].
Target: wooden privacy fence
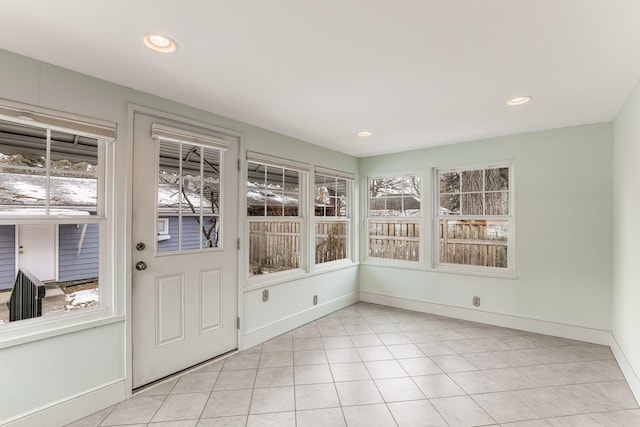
[[274, 246], [394, 239], [471, 242], [331, 241]]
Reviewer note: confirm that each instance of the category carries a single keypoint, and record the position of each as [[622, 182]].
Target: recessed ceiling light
[[160, 43], [365, 133], [519, 100]]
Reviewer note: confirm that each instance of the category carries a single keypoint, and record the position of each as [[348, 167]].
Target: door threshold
[[156, 383]]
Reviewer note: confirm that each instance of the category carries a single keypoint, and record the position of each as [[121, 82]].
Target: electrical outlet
[[265, 295], [476, 301], [315, 300]]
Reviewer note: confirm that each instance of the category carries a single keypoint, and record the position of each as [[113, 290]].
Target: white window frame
[[418, 219], [260, 280], [29, 330], [350, 182], [509, 271]]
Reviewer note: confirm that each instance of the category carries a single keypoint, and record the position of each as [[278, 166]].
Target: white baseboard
[[73, 408], [595, 336], [279, 327], [630, 374]]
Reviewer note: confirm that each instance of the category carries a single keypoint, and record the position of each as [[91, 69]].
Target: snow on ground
[[81, 299]]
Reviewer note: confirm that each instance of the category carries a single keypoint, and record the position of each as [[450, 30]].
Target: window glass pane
[[394, 240], [168, 233], [474, 242], [340, 198], [273, 246], [450, 204], [411, 205], [291, 193], [472, 181], [23, 165], [210, 227], [274, 191], [411, 196], [323, 197], [497, 179], [498, 203], [256, 192], [74, 173], [450, 182], [331, 241], [7, 258], [212, 164], [472, 204], [377, 199], [191, 180], [168, 178], [190, 236]]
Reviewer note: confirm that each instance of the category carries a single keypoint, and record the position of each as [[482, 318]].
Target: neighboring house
[[62, 253]]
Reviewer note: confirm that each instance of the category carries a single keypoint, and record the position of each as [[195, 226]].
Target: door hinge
[[238, 243], [238, 165], [238, 322]]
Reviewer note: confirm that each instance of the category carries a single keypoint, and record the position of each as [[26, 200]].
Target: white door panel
[[185, 213]]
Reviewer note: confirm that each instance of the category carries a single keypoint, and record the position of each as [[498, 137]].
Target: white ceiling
[[418, 73]]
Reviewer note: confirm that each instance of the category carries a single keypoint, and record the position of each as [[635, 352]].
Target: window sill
[[332, 265], [394, 263], [471, 271], [26, 331], [403, 265], [299, 274]]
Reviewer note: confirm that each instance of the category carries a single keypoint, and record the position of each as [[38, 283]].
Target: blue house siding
[[7, 256], [191, 232], [70, 266]]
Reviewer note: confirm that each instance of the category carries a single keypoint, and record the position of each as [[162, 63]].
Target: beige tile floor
[[370, 365]]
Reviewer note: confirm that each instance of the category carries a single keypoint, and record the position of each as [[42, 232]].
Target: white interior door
[[185, 191], [37, 250]]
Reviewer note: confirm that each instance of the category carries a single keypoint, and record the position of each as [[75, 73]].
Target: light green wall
[[626, 217], [99, 355], [563, 210], [563, 223]]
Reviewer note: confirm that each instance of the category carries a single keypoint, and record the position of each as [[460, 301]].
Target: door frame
[[132, 109]]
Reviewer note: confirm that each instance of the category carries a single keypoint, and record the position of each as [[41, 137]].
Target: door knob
[[141, 265]]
